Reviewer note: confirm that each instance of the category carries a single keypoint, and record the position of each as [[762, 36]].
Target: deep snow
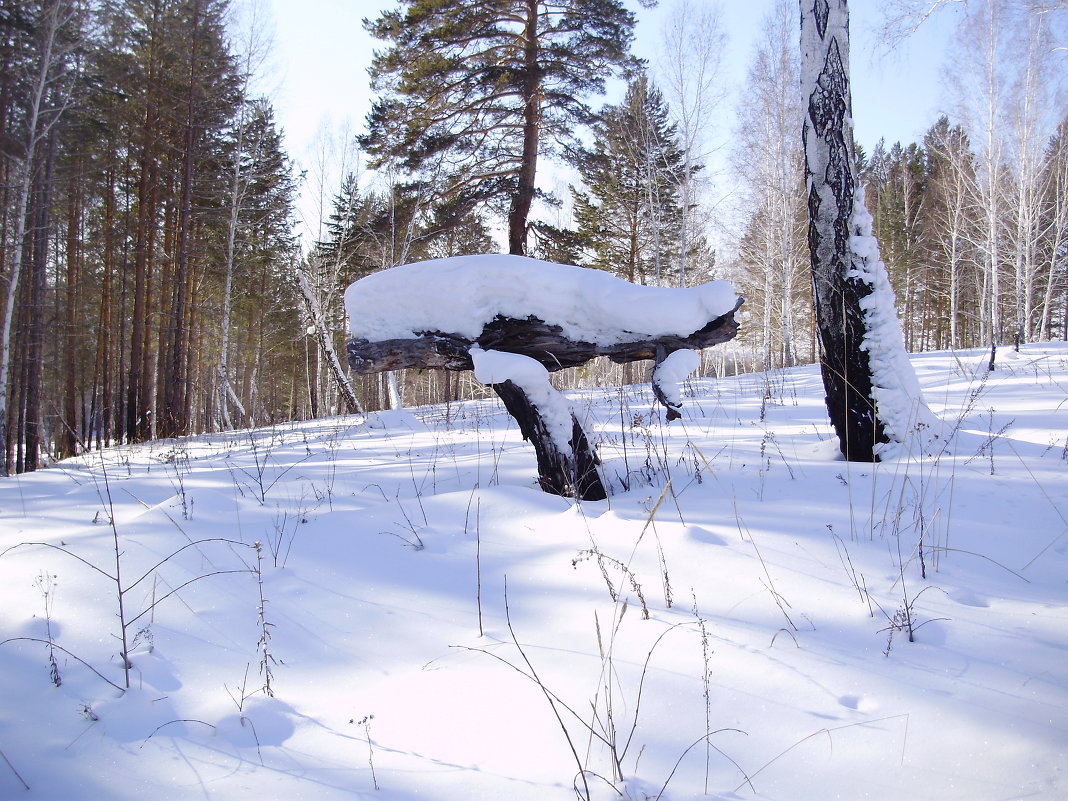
[[779, 582]]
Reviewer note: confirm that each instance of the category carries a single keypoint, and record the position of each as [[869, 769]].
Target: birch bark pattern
[[831, 181], [322, 334]]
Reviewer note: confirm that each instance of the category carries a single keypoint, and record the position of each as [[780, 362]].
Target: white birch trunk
[[873, 398], [326, 344], [238, 185], [1058, 237], [690, 72], [396, 400]]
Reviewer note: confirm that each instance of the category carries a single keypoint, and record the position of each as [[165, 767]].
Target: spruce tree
[[472, 91], [629, 216]]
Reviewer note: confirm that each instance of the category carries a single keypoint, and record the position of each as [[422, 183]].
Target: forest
[[154, 285]]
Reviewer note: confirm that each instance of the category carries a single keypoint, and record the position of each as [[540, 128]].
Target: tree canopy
[[470, 93], [629, 217]]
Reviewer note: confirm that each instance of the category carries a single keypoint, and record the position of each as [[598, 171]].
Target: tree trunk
[[326, 344], [524, 195], [50, 20], [71, 428], [831, 184], [42, 223], [569, 474]]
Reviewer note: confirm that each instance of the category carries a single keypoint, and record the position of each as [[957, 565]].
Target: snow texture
[[460, 294], [670, 373], [794, 574], [909, 424], [496, 367]]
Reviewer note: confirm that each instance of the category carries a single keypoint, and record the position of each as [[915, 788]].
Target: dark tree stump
[[569, 474]]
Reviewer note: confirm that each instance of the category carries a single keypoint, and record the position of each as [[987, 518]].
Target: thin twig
[[694, 744], [17, 775], [168, 723], [828, 732], [548, 696], [68, 653]]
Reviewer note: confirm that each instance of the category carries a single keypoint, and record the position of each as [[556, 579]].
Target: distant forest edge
[[153, 285]]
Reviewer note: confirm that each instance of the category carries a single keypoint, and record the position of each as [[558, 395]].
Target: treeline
[[972, 220], [153, 286], [965, 273], [145, 219], [968, 271]]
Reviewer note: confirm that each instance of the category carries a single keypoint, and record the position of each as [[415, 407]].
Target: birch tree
[[1055, 228], [1032, 114], [324, 337], [689, 70], [1005, 71], [872, 395], [767, 157], [951, 187], [253, 46]]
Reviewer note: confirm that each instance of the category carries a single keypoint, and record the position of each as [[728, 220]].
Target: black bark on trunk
[[573, 475], [831, 174]]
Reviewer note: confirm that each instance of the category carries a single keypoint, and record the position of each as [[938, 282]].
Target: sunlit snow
[[750, 586], [459, 295]]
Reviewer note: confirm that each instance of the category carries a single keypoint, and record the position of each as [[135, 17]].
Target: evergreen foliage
[[147, 255], [472, 93], [116, 316], [628, 218]]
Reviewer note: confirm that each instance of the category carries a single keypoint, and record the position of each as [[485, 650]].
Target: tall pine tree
[[471, 92]]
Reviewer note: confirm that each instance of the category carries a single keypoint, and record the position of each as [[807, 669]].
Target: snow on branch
[[428, 315], [513, 320]]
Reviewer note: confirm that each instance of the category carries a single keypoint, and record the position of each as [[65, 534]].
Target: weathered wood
[[672, 409], [531, 337], [559, 473]]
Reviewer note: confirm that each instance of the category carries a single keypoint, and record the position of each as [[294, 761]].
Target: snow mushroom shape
[[514, 319]]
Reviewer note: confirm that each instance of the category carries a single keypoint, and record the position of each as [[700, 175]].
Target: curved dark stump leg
[[572, 474]]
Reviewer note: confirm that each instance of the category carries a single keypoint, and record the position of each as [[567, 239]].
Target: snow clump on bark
[[908, 422]]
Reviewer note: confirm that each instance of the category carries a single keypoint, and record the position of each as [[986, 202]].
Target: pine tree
[[472, 92], [39, 43], [629, 216], [207, 105]]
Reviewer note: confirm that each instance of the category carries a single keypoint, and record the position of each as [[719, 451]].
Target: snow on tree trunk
[[671, 371], [872, 394], [908, 423], [567, 464]]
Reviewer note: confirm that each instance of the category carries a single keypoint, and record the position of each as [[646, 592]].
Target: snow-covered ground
[[439, 628]]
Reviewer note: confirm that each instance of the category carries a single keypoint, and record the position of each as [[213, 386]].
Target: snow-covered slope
[[439, 628]]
